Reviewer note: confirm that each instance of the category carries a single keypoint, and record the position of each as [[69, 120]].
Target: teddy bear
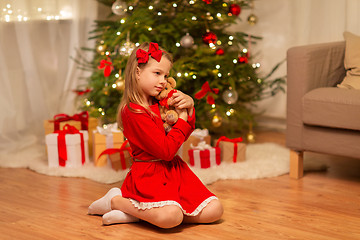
[[167, 112]]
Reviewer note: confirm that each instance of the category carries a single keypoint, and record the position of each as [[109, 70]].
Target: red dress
[[159, 177]]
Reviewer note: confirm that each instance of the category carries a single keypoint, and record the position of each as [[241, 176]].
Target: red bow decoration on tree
[[107, 65], [143, 56], [205, 88], [81, 92]]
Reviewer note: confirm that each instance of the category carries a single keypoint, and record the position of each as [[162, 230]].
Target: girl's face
[[152, 77]]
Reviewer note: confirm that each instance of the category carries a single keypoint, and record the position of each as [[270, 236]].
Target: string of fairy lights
[[14, 11]]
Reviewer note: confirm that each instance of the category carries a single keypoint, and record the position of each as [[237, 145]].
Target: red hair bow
[[143, 56], [205, 88]]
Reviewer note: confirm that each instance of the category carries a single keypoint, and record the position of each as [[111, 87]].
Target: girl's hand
[[182, 101], [183, 114]]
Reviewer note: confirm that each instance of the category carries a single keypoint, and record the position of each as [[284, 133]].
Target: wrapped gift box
[[50, 126], [204, 157], [75, 151], [198, 135], [104, 138], [232, 150], [121, 157]]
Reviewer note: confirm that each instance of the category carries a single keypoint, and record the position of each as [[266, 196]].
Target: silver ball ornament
[[119, 8], [230, 96], [187, 41]]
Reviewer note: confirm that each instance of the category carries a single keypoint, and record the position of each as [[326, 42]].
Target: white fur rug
[[262, 161]]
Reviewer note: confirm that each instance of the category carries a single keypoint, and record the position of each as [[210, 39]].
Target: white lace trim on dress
[[150, 205]]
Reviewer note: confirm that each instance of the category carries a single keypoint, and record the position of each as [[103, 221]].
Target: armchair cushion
[[332, 107], [351, 62]]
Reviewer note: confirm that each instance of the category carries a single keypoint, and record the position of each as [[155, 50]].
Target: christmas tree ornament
[[101, 48], [250, 136], [243, 59], [216, 121], [206, 90], [107, 66], [187, 41], [126, 49], [252, 19], [209, 37], [120, 84], [234, 9], [219, 51], [207, 1], [230, 96], [119, 8]]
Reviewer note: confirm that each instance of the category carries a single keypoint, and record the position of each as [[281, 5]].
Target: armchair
[[320, 116]]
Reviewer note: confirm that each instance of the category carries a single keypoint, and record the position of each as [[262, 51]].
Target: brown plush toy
[[168, 113]]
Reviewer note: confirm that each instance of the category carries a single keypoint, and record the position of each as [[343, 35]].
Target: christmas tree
[[211, 64]]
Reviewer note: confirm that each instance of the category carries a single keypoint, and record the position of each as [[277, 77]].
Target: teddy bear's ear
[[172, 82]]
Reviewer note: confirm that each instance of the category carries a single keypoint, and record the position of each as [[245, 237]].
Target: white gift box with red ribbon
[[77, 151], [204, 156]]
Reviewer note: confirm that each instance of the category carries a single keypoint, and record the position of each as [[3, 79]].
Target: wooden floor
[[322, 205]]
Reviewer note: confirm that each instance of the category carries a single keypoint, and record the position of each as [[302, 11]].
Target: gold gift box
[[116, 163], [93, 123], [100, 146], [227, 152]]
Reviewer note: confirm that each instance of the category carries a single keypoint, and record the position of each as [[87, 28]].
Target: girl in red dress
[[160, 188]]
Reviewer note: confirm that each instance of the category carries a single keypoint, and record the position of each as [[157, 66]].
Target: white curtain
[[287, 23], [37, 75]]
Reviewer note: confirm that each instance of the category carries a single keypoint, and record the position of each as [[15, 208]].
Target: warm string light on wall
[[13, 13]]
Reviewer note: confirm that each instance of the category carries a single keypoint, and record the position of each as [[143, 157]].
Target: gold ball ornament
[[120, 84], [216, 121], [250, 136], [101, 48], [252, 19]]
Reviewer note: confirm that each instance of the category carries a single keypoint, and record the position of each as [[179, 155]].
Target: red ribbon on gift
[[205, 89], [120, 150], [82, 117], [68, 129], [164, 102], [235, 141]]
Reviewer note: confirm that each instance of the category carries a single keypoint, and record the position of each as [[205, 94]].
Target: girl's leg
[[163, 217], [211, 213]]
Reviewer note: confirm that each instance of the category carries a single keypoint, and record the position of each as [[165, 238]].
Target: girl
[[160, 188]]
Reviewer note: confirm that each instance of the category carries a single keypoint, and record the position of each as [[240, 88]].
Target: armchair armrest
[[309, 67]]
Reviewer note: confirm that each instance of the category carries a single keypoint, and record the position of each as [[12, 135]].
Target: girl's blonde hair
[[132, 92]]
